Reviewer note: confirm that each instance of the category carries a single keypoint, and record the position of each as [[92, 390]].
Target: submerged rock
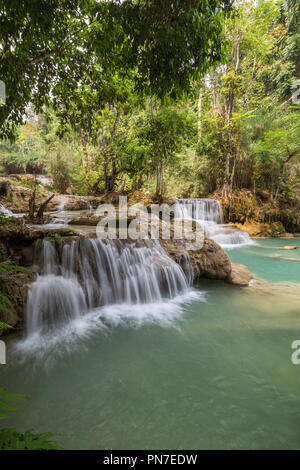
[[289, 248]]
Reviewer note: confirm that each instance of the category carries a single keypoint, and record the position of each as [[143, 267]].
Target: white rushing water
[[5, 211], [9, 213], [89, 283], [44, 180], [208, 212], [93, 279]]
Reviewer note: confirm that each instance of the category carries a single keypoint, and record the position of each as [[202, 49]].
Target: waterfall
[[90, 273], [5, 211], [44, 180], [9, 213], [199, 209], [208, 212]]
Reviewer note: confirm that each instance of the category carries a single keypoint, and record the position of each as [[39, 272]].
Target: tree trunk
[[123, 184], [158, 154], [200, 113], [31, 205], [250, 83], [232, 174], [227, 175], [85, 161], [40, 213], [114, 129]]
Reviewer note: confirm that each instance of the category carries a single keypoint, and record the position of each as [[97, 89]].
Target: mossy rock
[[4, 188], [3, 252]]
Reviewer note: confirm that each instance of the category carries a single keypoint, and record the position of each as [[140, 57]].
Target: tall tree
[[50, 46]]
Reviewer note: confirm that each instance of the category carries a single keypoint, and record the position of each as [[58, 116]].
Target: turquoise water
[[209, 370], [268, 260]]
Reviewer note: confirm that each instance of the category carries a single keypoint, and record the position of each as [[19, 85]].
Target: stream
[[184, 367]]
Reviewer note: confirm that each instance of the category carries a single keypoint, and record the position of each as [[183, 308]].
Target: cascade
[[5, 211], [9, 213], [44, 180], [89, 273], [208, 212], [199, 209]]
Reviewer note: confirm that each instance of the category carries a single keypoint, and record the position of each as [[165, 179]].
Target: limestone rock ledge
[[15, 287], [240, 275], [17, 243], [210, 262]]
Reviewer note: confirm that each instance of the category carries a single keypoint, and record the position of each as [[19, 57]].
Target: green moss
[[3, 252], [5, 219]]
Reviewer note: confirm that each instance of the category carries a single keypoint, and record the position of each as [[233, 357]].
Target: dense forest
[[229, 127]]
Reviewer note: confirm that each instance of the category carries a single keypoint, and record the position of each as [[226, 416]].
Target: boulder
[[240, 275], [210, 261]]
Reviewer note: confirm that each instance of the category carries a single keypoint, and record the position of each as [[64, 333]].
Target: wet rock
[[240, 275], [210, 261], [93, 221], [289, 248], [17, 240], [71, 203], [15, 287]]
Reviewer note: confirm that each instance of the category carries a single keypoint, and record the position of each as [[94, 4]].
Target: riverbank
[[257, 214], [260, 214]]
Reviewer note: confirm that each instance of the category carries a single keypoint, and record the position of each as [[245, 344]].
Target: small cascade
[[9, 213], [44, 180], [5, 211], [53, 300], [199, 209], [208, 212], [90, 273]]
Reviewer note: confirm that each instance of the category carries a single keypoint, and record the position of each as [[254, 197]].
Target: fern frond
[[9, 267], [10, 439], [4, 326], [6, 396]]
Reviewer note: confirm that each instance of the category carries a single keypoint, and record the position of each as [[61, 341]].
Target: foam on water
[[90, 285], [72, 335]]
